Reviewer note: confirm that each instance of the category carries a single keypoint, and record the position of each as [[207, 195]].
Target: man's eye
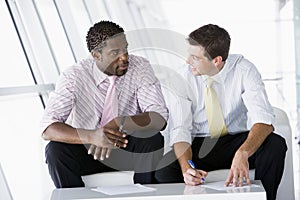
[[195, 57], [114, 53]]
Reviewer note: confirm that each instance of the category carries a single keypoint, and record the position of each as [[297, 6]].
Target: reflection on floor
[[296, 158]]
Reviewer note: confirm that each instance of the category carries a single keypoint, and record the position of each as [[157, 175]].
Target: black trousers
[[213, 154], [68, 162]]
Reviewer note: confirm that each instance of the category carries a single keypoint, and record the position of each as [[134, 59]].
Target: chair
[[286, 187]]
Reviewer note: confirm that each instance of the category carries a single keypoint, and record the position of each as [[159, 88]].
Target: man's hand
[[183, 152], [105, 139], [96, 151], [194, 176], [239, 171]]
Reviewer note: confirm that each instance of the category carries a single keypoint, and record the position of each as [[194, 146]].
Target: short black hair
[[100, 32], [214, 39]]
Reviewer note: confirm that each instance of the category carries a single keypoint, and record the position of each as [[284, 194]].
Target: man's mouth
[[123, 66], [192, 68]]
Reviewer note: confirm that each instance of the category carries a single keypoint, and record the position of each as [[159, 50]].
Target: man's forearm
[[142, 122], [257, 135], [61, 132], [183, 152]]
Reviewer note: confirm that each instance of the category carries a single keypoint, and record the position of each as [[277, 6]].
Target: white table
[[165, 191]]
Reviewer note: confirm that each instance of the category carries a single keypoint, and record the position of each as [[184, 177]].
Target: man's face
[[114, 56], [200, 64]]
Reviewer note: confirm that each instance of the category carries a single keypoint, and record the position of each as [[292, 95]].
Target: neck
[[221, 65], [216, 69]]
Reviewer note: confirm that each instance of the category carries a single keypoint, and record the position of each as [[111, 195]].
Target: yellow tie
[[216, 124]]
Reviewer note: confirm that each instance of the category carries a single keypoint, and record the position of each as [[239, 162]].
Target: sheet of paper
[[123, 189], [220, 186]]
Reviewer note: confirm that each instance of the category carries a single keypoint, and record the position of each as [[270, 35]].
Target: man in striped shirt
[[74, 111]]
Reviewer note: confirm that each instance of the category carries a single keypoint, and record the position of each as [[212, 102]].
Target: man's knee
[[156, 142], [274, 148], [168, 169], [54, 151], [150, 144], [276, 143]]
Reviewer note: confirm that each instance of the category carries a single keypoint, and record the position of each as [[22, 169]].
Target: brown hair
[[214, 39]]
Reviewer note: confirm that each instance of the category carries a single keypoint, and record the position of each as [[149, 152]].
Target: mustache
[[124, 63]]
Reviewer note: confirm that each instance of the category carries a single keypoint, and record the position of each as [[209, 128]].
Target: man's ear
[[96, 55], [217, 60]]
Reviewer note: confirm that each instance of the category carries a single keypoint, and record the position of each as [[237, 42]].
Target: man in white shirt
[[246, 139]]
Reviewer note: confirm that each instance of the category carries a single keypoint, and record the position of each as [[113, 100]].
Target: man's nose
[[188, 61], [124, 56]]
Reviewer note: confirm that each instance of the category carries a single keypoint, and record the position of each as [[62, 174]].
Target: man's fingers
[[203, 173], [97, 152], [117, 141], [190, 180], [235, 178], [91, 149], [103, 153], [248, 180], [241, 180], [229, 179], [115, 133], [193, 177], [108, 151]]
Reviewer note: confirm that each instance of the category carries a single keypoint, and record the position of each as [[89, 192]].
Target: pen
[[194, 167], [122, 123], [120, 130]]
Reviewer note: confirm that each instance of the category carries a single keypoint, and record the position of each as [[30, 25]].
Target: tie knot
[[209, 82], [112, 79]]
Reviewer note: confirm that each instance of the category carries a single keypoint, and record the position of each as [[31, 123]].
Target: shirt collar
[[98, 75], [219, 77], [229, 64]]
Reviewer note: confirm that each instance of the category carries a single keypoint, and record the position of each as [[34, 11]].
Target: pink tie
[[110, 107]]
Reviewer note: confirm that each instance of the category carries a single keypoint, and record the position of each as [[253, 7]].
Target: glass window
[[69, 12], [55, 33], [81, 17], [21, 147], [14, 67], [260, 30]]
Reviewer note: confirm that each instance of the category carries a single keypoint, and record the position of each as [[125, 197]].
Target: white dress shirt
[[241, 93]]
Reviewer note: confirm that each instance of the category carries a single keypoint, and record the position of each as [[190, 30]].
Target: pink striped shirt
[[80, 93]]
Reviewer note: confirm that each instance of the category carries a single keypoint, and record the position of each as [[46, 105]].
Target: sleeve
[[180, 120], [255, 99], [179, 100], [149, 93], [60, 103]]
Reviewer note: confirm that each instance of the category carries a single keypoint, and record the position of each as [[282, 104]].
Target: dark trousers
[[68, 162], [213, 154]]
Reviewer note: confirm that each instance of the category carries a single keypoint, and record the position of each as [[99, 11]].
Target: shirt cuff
[[44, 125], [179, 135], [162, 111], [267, 118]]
